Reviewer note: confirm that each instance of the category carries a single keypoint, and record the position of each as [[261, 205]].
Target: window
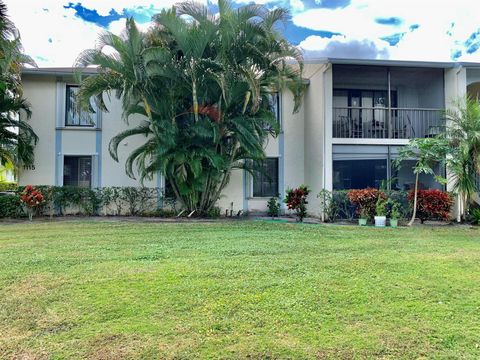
[[362, 166], [274, 100], [168, 190], [359, 174], [77, 171], [73, 118], [265, 181]]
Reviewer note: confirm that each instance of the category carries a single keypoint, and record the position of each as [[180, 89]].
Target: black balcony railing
[[384, 123]]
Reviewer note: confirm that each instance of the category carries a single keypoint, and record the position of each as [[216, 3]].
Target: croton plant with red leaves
[[432, 204], [365, 200], [296, 199], [31, 197]]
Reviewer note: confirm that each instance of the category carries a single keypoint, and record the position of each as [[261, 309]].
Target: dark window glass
[[73, 118], [403, 177], [77, 171], [359, 174], [168, 190], [265, 182]]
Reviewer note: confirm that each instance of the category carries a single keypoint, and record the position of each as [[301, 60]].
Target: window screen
[[265, 181], [77, 171]]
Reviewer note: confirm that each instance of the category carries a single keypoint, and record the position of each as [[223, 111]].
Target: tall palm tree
[[203, 83], [464, 138], [17, 138]]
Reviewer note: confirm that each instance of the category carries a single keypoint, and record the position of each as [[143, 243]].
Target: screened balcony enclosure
[[387, 102]]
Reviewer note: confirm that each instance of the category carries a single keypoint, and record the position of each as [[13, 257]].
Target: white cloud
[[69, 35], [339, 46], [434, 39], [40, 21], [429, 41]]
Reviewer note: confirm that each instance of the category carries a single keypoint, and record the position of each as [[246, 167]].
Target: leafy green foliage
[[273, 206], [381, 207], [11, 207], [463, 136], [62, 200], [17, 138], [394, 209], [7, 186], [428, 153], [203, 83], [475, 216]]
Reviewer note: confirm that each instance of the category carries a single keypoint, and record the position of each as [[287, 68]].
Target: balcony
[[379, 102], [384, 123]]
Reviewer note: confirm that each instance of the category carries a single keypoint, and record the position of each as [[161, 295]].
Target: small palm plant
[[463, 136]]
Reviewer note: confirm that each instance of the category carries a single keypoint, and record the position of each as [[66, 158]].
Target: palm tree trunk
[[412, 220]]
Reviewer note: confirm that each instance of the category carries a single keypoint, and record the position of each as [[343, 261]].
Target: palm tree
[[17, 138], [463, 136], [427, 152], [203, 83]]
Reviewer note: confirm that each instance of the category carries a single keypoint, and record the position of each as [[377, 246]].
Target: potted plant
[[363, 217], [394, 214], [380, 213]]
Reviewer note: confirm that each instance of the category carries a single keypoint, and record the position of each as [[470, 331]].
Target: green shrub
[[138, 199], [8, 186], [475, 216], [341, 208], [162, 213], [214, 212], [273, 207], [11, 207]]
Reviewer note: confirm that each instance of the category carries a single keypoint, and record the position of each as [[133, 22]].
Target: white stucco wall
[[318, 130], [41, 92], [113, 173]]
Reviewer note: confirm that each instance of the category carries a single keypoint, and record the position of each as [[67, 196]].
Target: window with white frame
[[265, 179], [72, 116], [77, 171]]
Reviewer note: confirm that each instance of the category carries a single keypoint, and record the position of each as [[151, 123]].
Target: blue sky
[[54, 32]]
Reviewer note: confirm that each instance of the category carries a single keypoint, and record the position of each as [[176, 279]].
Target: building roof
[[382, 62], [58, 71]]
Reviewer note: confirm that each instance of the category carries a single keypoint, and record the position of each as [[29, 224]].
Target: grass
[[111, 290]]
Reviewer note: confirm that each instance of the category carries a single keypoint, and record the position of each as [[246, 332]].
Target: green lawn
[[111, 290]]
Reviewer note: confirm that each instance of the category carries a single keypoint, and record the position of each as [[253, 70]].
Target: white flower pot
[[380, 221]]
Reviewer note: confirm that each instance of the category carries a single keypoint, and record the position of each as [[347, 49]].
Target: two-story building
[[355, 117]]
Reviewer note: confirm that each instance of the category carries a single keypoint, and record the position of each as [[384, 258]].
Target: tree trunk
[[412, 220]]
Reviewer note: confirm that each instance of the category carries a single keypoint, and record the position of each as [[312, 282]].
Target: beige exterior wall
[[41, 92], [317, 145], [47, 97], [113, 173]]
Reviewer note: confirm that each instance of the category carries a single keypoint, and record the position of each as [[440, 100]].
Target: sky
[[54, 32]]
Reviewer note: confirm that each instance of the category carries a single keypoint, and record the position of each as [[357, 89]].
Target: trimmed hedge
[[60, 200], [10, 206]]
